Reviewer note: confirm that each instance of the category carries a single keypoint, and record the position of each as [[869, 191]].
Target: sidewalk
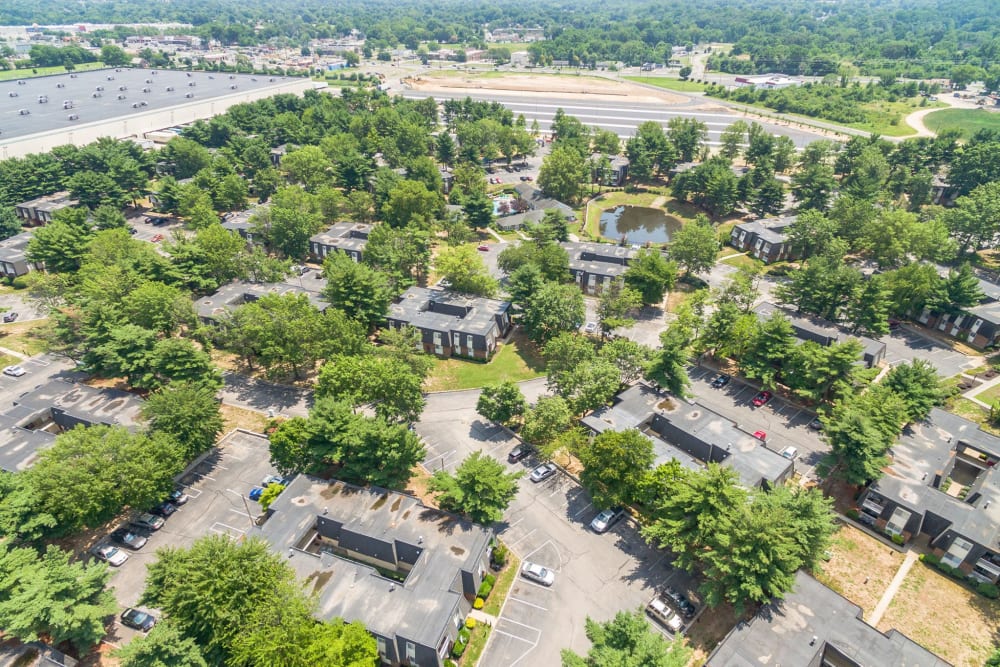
[[890, 592], [482, 617]]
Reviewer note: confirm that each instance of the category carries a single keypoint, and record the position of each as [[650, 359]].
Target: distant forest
[[918, 38]]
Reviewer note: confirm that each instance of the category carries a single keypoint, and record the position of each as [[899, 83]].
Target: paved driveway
[[785, 424], [906, 344], [217, 488]]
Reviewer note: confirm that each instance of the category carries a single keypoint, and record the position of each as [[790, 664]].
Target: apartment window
[[897, 522], [468, 342], [381, 646], [959, 549], [411, 653], [457, 338], [437, 339]]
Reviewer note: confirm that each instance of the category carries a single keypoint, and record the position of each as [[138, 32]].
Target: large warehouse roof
[[150, 99]]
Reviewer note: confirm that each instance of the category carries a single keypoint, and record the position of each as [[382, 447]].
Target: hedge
[[987, 590]]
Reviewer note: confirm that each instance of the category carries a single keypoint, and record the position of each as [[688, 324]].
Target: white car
[[607, 518], [664, 615], [14, 371], [790, 453], [590, 328], [538, 574], [110, 554]]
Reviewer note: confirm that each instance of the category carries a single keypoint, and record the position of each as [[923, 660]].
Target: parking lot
[[146, 231], [905, 344], [217, 489], [39, 370], [784, 423], [547, 523]]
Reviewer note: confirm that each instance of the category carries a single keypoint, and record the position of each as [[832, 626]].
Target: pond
[[638, 224]]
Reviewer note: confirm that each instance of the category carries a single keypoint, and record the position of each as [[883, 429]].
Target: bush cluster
[[987, 590]]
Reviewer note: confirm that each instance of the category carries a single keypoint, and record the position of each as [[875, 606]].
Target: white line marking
[[523, 625], [240, 512], [512, 525], [511, 544], [530, 604], [520, 639], [228, 527], [203, 476], [589, 506]]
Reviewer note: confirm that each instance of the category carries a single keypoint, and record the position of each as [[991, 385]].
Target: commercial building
[[347, 237], [693, 435], [36, 418], [408, 572], [78, 108], [451, 323], [943, 483], [816, 627], [818, 330]]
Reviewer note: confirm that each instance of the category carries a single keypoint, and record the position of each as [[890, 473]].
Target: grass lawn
[[7, 75], [516, 360], [502, 586], [234, 417], [944, 616], [963, 407], [477, 644], [741, 260], [969, 121], [24, 337], [990, 395], [860, 567], [669, 83]]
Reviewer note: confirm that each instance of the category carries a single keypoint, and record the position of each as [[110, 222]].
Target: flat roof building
[[410, 573], [818, 330], [81, 107], [39, 211], [347, 237], [230, 297], [814, 627], [13, 260], [37, 417], [765, 239], [451, 323], [595, 266], [693, 435]]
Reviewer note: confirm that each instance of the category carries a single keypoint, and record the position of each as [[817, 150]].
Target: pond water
[[638, 224]]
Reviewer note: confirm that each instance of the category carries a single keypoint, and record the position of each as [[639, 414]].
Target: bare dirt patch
[[234, 417], [711, 628], [542, 85], [944, 617], [860, 567]]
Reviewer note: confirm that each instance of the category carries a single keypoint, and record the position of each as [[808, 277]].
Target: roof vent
[[812, 642], [392, 587]]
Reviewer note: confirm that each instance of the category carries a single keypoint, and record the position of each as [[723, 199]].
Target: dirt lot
[[860, 568], [546, 85], [945, 617], [710, 629]]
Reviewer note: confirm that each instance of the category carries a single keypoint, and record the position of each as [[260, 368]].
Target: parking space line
[[240, 512], [793, 417], [585, 509], [520, 639], [443, 457], [511, 525], [523, 625], [542, 546], [203, 476], [530, 604], [511, 544], [192, 492], [538, 586]]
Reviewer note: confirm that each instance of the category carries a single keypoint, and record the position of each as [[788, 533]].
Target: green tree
[[614, 466], [650, 274], [615, 304], [694, 246], [108, 217], [390, 384], [868, 310], [45, 595], [309, 166], [188, 413], [562, 174], [768, 349], [630, 358], [919, 386], [688, 135], [356, 289], [212, 589], [113, 55], [554, 308], [401, 254], [858, 443], [502, 403], [669, 364], [812, 370], [158, 307], [627, 640], [813, 186], [289, 222], [732, 139], [409, 201], [59, 246], [10, 224], [480, 487], [811, 233], [164, 646], [465, 269], [545, 421], [478, 208]]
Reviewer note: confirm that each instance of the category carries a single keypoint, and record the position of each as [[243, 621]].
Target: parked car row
[[134, 535]]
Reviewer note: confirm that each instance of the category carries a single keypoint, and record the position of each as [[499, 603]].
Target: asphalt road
[[620, 117]]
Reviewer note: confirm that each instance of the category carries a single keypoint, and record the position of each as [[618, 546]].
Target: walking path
[[975, 391], [890, 592], [483, 617], [8, 351]]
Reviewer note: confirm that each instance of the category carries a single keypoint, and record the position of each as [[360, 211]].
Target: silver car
[[110, 554], [607, 518], [538, 574], [664, 615], [543, 472]]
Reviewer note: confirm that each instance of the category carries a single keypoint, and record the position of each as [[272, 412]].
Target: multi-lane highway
[[618, 116]]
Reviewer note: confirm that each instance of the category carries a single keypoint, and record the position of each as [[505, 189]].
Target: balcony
[[872, 507]]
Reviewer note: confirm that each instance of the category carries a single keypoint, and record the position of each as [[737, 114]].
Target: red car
[[760, 435], [762, 398], [157, 238], [483, 248]]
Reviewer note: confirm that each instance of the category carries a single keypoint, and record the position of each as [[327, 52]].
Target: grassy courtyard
[[516, 360], [860, 567], [969, 121], [945, 617]]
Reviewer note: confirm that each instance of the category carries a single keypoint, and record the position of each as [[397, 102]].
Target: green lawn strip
[[963, 407], [669, 83], [7, 75], [990, 395], [743, 260], [23, 337], [477, 644], [502, 586], [514, 361], [969, 121]]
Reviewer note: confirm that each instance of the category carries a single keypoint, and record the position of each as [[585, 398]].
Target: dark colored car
[[762, 398], [177, 497], [128, 538], [139, 620], [816, 424], [10, 317], [164, 509], [519, 453], [680, 601], [720, 381]]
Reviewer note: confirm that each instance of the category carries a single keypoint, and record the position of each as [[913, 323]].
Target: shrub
[[463, 635], [491, 579], [457, 650], [500, 554], [478, 604], [853, 514], [897, 539], [470, 622], [450, 663], [990, 591], [484, 589]]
